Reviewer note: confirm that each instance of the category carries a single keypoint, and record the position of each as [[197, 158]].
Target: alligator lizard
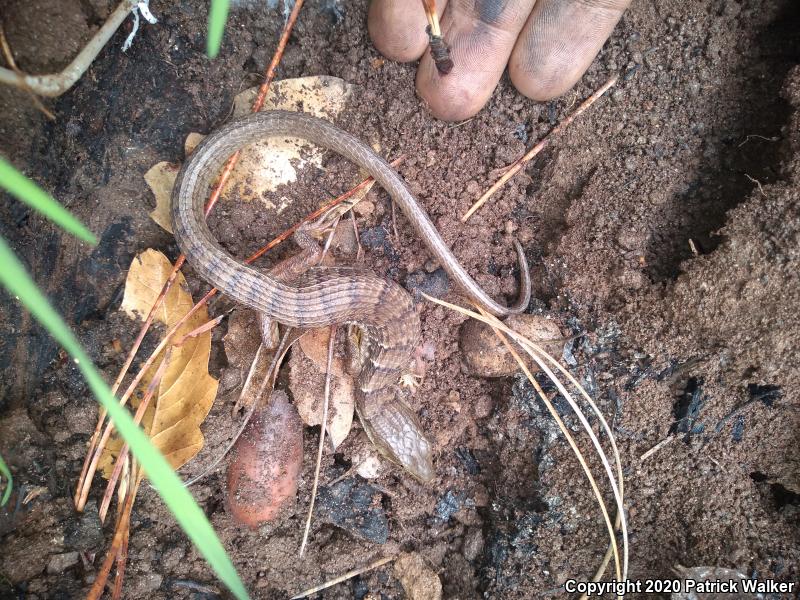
[[330, 295]]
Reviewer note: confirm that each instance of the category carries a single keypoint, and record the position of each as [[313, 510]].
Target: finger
[[559, 42], [397, 28], [481, 35]]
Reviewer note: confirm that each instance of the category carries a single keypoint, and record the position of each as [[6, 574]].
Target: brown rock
[[418, 580], [487, 356]]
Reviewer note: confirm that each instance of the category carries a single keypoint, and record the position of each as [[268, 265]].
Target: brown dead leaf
[[243, 347], [314, 345], [161, 179], [307, 383], [266, 165], [186, 391], [191, 142]]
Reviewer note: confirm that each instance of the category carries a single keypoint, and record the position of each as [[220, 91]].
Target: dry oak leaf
[[307, 383], [186, 391], [161, 179], [263, 166]]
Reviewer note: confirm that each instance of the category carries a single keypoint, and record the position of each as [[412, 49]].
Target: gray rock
[[434, 284], [351, 504], [59, 563], [473, 544], [85, 532]]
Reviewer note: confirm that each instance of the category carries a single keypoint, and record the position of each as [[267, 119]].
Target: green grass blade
[[217, 17], [6, 472], [177, 498], [31, 194]]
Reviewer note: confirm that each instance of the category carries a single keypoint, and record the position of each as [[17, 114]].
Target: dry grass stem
[[433, 18], [656, 448], [539, 356], [570, 441], [325, 402], [345, 577], [122, 457]]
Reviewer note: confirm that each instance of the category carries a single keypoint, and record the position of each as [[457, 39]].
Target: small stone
[[431, 265], [172, 557], [86, 532], [374, 237], [435, 284], [473, 188], [448, 505], [145, 583], [59, 563], [524, 235], [344, 239], [419, 581], [81, 418], [473, 544], [369, 467], [482, 407], [487, 356], [355, 506], [364, 208], [454, 400]]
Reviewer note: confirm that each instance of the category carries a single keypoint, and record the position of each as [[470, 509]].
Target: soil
[[662, 229]]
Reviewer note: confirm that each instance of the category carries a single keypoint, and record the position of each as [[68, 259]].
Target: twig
[[439, 50], [205, 327], [123, 454], [517, 165], [95, 439], [116, 545], [248, 380], [345, 577], [325, 402], [761, 137], [758, 183], [122, 555], [360, 251], [432, 16], [258, 103], [460, 124], [394, 222], [58, 83], [656, 448], [9, 56]]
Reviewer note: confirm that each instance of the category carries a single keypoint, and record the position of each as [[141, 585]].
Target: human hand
[[547, 45]]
